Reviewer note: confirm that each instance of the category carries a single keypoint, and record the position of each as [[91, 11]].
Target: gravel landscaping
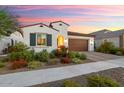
[[116, 74], [6, 70]]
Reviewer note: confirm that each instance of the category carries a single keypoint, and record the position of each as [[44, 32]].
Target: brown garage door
[[78, 45]]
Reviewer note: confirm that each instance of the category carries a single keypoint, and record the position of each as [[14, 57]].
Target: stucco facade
[[6, 41], [55, 29]]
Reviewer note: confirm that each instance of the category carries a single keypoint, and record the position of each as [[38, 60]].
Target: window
[[41, 39]]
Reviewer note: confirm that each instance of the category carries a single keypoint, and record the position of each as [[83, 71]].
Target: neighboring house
[[41, 36], [11, 40], [116, 37]]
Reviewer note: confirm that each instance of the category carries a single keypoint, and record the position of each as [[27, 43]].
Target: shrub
[[71, 54], [18, 47], [2, 64], [65, 60], [53, 61], [25, 55], [119, 53], [114, 50], [77, 55], [81, 56], [18, 64], [34, 64], [122, 50], [42, 56], [106, 47], [52, 55], [70, 83], [76, 61], [63, 51], [57, 52], [100, 81]]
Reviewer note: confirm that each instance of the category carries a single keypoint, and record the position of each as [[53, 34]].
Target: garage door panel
[[78, 45]]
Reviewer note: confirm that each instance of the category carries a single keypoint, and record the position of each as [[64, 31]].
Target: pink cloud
[[68, 20]]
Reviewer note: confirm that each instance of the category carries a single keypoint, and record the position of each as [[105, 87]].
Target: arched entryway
[[60, 41]]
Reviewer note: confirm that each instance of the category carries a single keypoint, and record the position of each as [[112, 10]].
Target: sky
[[81, 18]]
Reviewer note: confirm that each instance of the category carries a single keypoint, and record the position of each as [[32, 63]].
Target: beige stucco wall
[[38, 29], [62, 30], [47, 30]]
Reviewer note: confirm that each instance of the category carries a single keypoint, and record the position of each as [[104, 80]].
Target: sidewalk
[[30, 78]]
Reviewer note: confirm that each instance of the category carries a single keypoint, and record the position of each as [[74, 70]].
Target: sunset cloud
[[82, 18]]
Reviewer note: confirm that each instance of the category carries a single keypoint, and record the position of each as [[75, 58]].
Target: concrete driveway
[[96, 56]]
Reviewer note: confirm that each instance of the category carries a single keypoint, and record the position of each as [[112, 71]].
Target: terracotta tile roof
[[38, 24]]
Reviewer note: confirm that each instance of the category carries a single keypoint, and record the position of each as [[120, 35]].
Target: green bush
[[70, 83], [71, 54], [100, 81], [107, 47], [114, 50], [42, 56], [52, 55], [25, 55], [76, 61], [34, 64], [122, 50], [82, 56], [2, 64], [119, 53], [77, 55], [18, 47]]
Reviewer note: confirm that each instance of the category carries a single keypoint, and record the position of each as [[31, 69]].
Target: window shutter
[[49, 40], [32, 39]]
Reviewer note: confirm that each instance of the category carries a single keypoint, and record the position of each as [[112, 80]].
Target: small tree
[[8, 23]]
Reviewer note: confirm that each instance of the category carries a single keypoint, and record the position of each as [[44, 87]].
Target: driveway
[[96, 56]]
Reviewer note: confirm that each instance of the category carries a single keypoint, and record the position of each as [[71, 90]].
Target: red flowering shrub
[[65, 60], [18, 64]]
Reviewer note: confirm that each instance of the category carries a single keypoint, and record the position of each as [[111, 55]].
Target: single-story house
[[41, 36], [116, 37]]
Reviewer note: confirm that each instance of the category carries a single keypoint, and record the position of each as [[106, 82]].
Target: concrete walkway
[[30, 78]]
